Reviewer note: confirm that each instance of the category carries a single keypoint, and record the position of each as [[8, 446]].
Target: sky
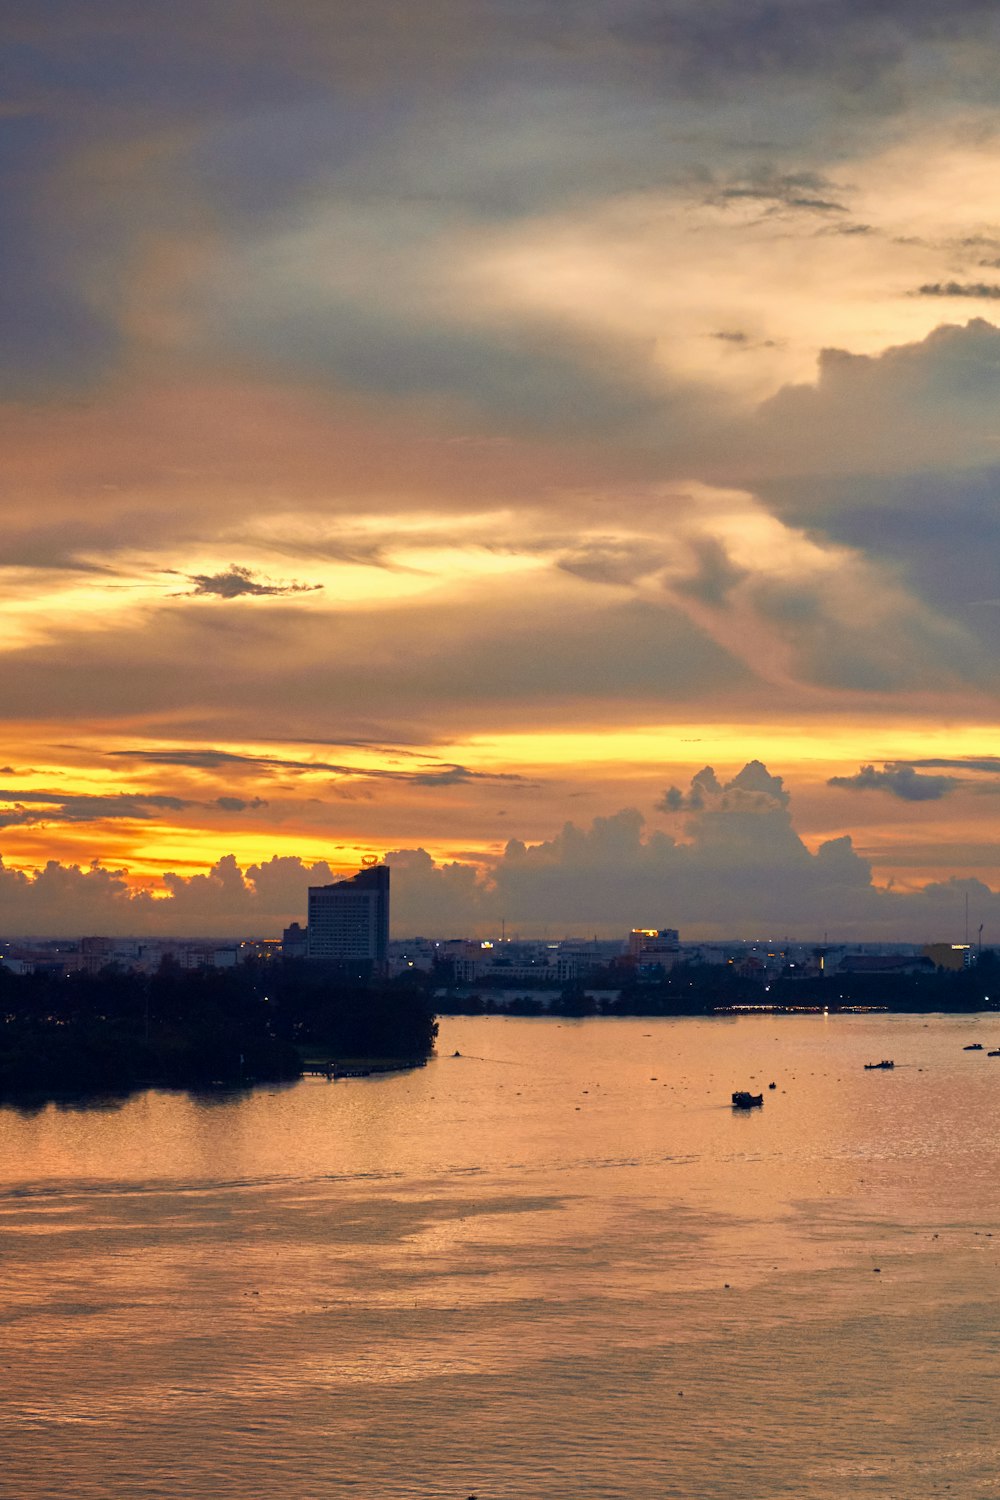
[[553, 445]]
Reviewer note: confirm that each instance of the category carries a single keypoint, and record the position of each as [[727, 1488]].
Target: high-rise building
[[654, 945], [349, 920]]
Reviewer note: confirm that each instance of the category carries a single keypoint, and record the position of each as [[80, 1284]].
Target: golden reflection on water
[[558, 1265]]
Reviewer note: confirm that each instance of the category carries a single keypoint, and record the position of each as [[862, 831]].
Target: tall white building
[[349, 920]]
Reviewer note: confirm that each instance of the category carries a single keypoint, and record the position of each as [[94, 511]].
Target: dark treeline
[[119, 1030], [700, 989]]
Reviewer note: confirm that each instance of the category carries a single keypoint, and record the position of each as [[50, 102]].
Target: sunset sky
[[443, 430]]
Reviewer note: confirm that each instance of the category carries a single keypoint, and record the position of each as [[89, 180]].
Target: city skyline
[[550, 447]]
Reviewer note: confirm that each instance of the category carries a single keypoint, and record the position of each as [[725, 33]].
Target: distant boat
[[886, 1062], [994, 1054], [973, 1047], [744, 1100]]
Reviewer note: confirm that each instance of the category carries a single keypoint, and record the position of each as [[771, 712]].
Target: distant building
[[954, 956], [654, 946], [349, 920], [883, 963], [17, 965], [295, 941], [201, 956]]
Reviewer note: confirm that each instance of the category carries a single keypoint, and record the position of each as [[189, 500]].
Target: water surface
[[559, 1265]]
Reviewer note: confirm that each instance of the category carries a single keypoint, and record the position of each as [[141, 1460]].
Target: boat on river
[[973, 1047], [742, 1099], [886, 1062]]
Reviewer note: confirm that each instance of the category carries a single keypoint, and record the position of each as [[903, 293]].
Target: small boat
[[886, 1062], [973, 1047], [996, 1053], [744, 1100]]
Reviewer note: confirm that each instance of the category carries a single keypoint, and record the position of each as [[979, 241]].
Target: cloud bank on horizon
[[432, 436], [740, 870]]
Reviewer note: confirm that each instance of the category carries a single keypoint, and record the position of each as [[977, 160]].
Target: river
[[556, 1267]]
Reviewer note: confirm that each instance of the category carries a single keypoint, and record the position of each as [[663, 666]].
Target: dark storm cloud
[[839, 646], [208, 123], [213, 760], [856, 43], [914, 409], [716, 575], [613, 562], [237, 582], [940, 530], [33, 806], [964, 763], [738, 340], [899, 780], [534, 379], [51, 336], [451, 776], [777, 192], [58, 546], [983, 290], [942, 527], [59, 807], [225, 670]]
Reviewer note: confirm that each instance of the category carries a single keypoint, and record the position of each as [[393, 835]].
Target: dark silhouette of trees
[[696, 989], [120, 1029]]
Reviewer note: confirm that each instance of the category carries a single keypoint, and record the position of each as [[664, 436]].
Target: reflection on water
[[559, 1265]]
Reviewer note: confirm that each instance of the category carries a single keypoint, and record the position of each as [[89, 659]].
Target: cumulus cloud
[[926, 405], [753, 789], [740, 869], [704, 785], [262, 297], [899, 780]]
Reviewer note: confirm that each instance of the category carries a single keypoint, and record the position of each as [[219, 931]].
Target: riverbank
[[115, 1033]]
